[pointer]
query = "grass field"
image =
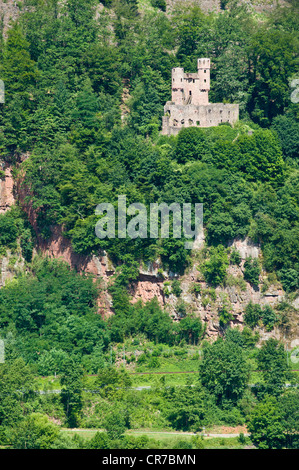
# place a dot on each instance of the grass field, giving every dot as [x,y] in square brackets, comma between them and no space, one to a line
[176,369]
[170,440]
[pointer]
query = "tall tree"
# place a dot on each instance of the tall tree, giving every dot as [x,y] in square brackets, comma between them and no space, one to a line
[71,393]
[224,371]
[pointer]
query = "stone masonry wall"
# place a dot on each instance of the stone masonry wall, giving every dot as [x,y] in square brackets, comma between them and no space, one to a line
[178,116]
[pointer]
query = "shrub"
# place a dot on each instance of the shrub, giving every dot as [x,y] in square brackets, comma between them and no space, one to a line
[196,289]
[8,230]
[225,316]
[176,288]
[181,309]
[252,271]
[289,279]
[235,257]
[269,317]
[214,270]
[161,4]
[253,313]
[154,363]
[183,445]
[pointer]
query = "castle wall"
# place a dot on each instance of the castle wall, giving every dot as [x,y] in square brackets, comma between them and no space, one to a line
[177,116]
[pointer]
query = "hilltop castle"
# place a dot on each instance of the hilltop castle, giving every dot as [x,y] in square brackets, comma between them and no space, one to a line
[189,105]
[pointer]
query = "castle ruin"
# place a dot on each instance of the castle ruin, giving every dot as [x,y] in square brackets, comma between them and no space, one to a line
[189,105]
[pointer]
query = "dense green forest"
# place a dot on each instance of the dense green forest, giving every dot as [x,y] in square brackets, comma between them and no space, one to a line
[85,86]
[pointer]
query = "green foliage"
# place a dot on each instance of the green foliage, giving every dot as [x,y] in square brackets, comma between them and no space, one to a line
[52,362]
[288,406]
[214,270]
[225,316]
[265,427]
[257,156]
[148,319]
[250,339]
[115,425]
[244,339]
[192,144]
[35,431]
[272,361]
[185,411]
[287,128]
[235,257]
[71,393]
[289,279]
[269,317]
[161,4]
[190,329]
[268,79]
[253,313]
[176,288]
[18,71]
[99,441]
[16,386]
[52,307]
[252,271]
[109,379]
[181,308]
[223,371]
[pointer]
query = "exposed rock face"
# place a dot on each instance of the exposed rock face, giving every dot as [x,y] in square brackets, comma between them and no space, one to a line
[8,264]
[153,282]
[9,11]
[246,248]
[146,290]
[6,190]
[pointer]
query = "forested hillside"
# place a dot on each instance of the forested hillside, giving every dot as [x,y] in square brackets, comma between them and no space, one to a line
[85,86]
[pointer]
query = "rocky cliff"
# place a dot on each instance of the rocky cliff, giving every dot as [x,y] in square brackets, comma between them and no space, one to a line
[195,297]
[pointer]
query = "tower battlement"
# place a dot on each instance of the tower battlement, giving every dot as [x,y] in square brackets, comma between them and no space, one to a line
[189,105]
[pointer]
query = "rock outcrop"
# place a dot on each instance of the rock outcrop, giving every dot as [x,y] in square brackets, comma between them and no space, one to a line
[6,190]
[153,282]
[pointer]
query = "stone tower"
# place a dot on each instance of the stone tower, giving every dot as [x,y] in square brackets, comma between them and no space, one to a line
[203,72]
[177,90]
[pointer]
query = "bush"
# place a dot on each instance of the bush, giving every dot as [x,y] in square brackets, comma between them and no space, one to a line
[115,425]
[235,257]
[176,288]
[183,445]
[234,335]
[181,309]
[8,231]
[252,271]
[196,289]
[289,279]
[154,363]
[225,316]
[99,441]
[214,270]
[269,317]
[161,4]
[249,338]
[253,313]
